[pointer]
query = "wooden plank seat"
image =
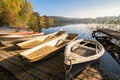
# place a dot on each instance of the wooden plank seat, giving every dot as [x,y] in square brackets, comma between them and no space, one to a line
[42,52]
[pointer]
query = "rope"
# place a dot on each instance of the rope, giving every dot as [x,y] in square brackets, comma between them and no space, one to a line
[68,71]
[70,65]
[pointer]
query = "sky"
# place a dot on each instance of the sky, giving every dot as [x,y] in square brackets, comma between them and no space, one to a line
[77,8]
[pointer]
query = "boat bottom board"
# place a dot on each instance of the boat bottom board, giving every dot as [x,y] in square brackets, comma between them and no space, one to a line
[84,52]
[32,44]
[46,50]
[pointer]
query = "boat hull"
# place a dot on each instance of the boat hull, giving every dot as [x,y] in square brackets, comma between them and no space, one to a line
[4,32]
[16,37]
[11,40]
[79,54]
[76,69]
[52,54]
[47,49]
[35,41]
[86,50]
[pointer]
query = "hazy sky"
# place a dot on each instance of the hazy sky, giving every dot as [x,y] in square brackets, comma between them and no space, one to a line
[77,8]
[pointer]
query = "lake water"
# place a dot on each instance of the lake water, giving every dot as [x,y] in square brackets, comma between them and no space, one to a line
[107,64]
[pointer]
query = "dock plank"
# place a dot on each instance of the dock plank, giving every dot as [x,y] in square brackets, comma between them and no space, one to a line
[31,68]
[111,33]
[48,69]
[16,71]
[40,70]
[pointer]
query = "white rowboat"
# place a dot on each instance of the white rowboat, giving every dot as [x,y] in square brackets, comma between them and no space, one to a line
[81,53]
[20,36]
[44,50]
[39,40]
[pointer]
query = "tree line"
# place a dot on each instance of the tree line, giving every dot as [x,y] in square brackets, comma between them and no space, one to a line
[99,20]
[19,14]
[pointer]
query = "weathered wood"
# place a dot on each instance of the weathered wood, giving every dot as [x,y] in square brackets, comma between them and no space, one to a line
[17,72]
[41,70]
[111,33]
[39,40]
[33,69]
[42,52]
[51,62]
[28,69]
[50,66]
[56,60]
[49,69]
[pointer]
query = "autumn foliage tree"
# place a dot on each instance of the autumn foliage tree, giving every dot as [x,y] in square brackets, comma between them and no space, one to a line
[7,18]
[19,14]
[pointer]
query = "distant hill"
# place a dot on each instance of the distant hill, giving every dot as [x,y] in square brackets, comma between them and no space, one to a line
[65,20]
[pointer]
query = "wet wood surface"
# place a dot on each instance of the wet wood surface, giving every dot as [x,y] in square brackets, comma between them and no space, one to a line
[49,69]
[111,33]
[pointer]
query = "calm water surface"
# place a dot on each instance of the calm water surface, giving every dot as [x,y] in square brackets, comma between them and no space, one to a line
[107,64]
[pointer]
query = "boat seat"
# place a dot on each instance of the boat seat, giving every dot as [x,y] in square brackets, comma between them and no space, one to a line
[32,44]
[64,40]
[46,50]
[36,43]
[85,47]
[61,41]
[50,37]
[84,52]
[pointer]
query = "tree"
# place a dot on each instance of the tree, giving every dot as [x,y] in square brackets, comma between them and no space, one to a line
[15,13]
[7,18]
[19,13]
[48,21]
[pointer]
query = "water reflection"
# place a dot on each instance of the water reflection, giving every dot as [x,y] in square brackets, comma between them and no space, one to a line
[106,63]
[82,29]
[109,67]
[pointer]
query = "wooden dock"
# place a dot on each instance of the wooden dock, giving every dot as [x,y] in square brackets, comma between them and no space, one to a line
[111,33]
[50,69]
[105,36]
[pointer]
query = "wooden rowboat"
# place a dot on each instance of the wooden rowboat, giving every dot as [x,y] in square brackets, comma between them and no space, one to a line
[12,39]
[13,31]
[20,36]
[81,53]
[49,48]
[39,40]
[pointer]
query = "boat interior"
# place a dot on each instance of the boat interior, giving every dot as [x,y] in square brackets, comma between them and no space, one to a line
[50,48]
[53,36]
[69,38]
[85,48]
[38,41]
